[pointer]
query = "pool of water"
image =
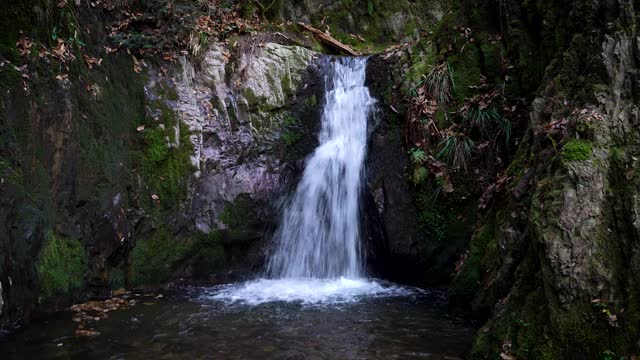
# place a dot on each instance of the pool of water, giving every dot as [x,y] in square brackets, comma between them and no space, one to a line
[369,320]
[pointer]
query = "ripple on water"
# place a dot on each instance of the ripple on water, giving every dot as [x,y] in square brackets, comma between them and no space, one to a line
[307,291]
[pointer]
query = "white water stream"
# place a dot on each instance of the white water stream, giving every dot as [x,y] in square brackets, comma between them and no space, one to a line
[317,256]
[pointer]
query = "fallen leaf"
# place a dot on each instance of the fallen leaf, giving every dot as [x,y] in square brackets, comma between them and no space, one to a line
[24,46]
[136,65]
[505,356]
[88,333]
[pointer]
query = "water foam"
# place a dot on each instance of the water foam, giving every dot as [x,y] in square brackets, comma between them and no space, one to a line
[305,291]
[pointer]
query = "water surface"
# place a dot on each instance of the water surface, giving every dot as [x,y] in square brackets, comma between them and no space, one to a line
[206,324]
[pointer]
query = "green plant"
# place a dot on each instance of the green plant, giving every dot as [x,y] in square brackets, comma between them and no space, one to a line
[577,150]
[61,266]
[483,113]
[483,118]
[456,149]
[610,355]
[370,7]
[420,174]
[153,258]
[430,220]
[440,84]
[418,155]
[157,145]
[54,33]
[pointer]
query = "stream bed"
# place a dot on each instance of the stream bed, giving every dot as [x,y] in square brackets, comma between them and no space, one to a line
[208,323]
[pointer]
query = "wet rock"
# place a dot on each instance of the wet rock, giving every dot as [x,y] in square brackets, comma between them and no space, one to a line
[236,108]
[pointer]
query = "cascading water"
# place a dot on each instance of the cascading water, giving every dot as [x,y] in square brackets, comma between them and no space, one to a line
[317,255]
[319,234]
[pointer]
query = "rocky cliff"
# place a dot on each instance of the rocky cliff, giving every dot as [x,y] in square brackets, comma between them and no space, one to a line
[503,160]
[544,194]
[123,170]
[553,259]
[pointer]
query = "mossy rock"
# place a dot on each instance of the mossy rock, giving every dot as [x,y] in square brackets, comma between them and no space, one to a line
[165,162]
[577,150]
[61,267]
[478,263]
[466,72]
[241,213]
[153,258]
[206,255]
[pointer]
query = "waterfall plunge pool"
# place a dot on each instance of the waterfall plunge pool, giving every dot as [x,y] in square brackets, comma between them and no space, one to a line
[261,319]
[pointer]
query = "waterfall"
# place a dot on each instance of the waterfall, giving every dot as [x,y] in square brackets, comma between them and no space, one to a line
[316,258]
[319,234]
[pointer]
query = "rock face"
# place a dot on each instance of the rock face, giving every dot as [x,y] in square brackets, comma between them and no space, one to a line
[64,168]
[144,178]
[407,252]
[236,110]
[378,21]
[555,262]
[252,116]
[397,254]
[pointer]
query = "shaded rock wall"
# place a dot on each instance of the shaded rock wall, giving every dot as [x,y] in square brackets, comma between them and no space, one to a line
[156,171]
[553,262]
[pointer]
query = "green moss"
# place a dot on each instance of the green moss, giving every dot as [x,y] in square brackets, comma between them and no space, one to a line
[105,127]
[9,77]
[286,85]
[153,258]
[431,220]
[252,100]
[207,254]
[292,135]
[60,266]
[577,150]
[156,258]
[157,145]
[520,162]
[410,28]
[581,68]
[547,201]
[117,278]
[240,214]
[167,92]
[478,263]
[311,101]
[492,57]
[166,163]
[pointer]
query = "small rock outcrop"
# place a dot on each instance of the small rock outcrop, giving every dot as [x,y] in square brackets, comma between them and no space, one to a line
[236,108]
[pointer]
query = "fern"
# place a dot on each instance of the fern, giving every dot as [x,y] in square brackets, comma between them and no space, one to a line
[418,155]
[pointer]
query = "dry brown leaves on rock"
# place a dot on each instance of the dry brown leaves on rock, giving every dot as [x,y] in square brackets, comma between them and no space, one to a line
[168,28]
[92,311]
[91,61]
[506,351]
[492,190]
[24,46]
